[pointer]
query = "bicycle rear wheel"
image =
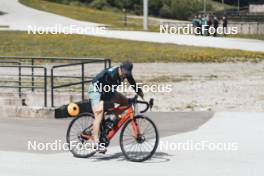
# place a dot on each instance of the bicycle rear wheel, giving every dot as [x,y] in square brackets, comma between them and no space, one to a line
[80,147]
[142,147]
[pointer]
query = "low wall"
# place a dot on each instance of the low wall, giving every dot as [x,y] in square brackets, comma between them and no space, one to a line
[249,27]
[26,112]
[11,105]
[242,27]
[256,8]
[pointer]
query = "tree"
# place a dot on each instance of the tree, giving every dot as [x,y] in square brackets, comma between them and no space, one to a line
[154,7]
[99,4]
[165,11]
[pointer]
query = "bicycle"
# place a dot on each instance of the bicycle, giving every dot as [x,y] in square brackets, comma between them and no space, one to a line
[138,138]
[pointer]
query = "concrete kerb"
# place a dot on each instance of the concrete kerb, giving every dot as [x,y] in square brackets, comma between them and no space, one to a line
[27,112]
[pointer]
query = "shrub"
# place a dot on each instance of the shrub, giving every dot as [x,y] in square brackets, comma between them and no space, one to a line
[176,9]
[165,11]
[99,4]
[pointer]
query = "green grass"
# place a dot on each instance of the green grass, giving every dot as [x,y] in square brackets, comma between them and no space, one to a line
[108,17]
[22,44]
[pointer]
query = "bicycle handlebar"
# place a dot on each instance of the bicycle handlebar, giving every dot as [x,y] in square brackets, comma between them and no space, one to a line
[133,101]
[149,104]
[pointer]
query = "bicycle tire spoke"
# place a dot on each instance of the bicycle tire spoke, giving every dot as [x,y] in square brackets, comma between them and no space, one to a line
[126,142]
[133,142]
[80,147]
[146,129]
[142,147]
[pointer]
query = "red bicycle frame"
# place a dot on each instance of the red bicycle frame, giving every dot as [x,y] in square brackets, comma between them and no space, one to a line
[129,115]
[123,119]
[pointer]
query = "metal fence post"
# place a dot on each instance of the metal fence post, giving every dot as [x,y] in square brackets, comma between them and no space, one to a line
[109,62]
[19,80]
[45,87]
[32,74]
[105,62]
[82,81]
[51,87]
[257,27]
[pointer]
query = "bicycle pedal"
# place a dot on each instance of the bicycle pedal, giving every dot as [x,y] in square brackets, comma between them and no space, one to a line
[102,151]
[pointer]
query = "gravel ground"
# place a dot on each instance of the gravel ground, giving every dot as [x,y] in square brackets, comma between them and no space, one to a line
[194,86]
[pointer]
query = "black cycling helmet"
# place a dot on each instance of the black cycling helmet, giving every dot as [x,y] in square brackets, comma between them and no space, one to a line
[127,67]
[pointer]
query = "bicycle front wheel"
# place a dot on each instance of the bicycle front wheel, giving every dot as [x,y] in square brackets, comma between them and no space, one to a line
[141,147]
[81,147]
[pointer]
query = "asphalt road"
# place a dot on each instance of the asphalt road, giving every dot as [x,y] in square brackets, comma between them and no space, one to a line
[223,144]
[16,132]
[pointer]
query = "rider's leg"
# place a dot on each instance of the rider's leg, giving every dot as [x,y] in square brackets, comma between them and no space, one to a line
[98,109]
[121,100]
[98,114]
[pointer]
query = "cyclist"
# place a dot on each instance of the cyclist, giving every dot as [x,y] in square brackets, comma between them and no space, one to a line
[111,77]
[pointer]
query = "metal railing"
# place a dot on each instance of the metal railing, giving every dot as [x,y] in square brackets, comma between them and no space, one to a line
[107,63]
[19,74]
[53,60]
[20,86]
[34,63]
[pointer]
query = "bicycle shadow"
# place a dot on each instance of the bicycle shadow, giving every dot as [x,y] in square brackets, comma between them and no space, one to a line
[2,13]
[158,157]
